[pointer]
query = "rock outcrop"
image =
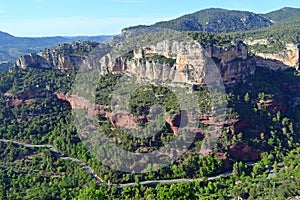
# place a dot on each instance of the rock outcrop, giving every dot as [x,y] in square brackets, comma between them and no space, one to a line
[237,70]
[243,152]
[270,64]
[63,57]
[185,62]
[287,58]
[191,63]
[27,98]
[124,119]
[238,51]
[168,61]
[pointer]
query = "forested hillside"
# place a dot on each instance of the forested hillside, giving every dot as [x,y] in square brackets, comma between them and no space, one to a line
[216,20]
[264,112]
[249,149]
[270,32]
[284,14]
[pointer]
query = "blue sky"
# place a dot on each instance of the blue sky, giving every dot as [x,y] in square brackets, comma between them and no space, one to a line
[103,17]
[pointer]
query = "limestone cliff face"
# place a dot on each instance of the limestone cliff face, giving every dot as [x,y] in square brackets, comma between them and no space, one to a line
[237,70]
[234,63]
[31,60]
[240,50]
[270,63]
[189,66]
[177,62]
[288,57]
[63,57]
[192,63]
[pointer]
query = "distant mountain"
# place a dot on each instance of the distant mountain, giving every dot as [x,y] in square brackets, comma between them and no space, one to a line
[223,21]
[284,14]
[5,37]
[12,47]
[216,20]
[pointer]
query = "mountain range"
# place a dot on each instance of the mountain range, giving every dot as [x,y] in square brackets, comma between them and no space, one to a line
[60,126]
[273,34]
[209,20]
[221,20]
[11,47]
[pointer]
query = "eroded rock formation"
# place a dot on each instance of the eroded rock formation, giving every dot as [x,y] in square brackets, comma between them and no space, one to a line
[288,57]
[168,61]
[192,63]
[63,57]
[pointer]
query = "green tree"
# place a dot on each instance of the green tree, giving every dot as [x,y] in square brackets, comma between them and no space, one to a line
[235,169]
[91,194]
[247,97]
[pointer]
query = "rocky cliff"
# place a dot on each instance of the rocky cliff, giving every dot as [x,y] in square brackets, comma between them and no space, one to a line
[184,63]
[167,61]
[287,58]
[63,57]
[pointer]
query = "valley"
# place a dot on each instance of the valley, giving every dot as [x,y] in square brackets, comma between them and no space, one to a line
[205,106]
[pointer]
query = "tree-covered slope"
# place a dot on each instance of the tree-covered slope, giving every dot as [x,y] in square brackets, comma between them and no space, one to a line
[264,111]
[283,14]
[216,20]
[266,108]
[255,157]
[275,29]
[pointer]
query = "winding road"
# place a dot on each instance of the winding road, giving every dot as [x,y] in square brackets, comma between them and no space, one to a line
[98,179]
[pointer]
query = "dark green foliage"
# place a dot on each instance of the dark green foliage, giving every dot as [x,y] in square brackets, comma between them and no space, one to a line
[35,79]
[276,36]
[215,20]
[239,25]
[268,127]
[34,173]
[48,120]
[285,184]
[146,96]
[284,14]
[105,86]
[162,59]
[212,39]
[43,119]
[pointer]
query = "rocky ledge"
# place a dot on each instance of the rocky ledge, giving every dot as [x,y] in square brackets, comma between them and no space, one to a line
[63,57]
[167,61]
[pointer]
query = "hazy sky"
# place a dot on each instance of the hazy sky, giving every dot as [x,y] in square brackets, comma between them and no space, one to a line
[102,17]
